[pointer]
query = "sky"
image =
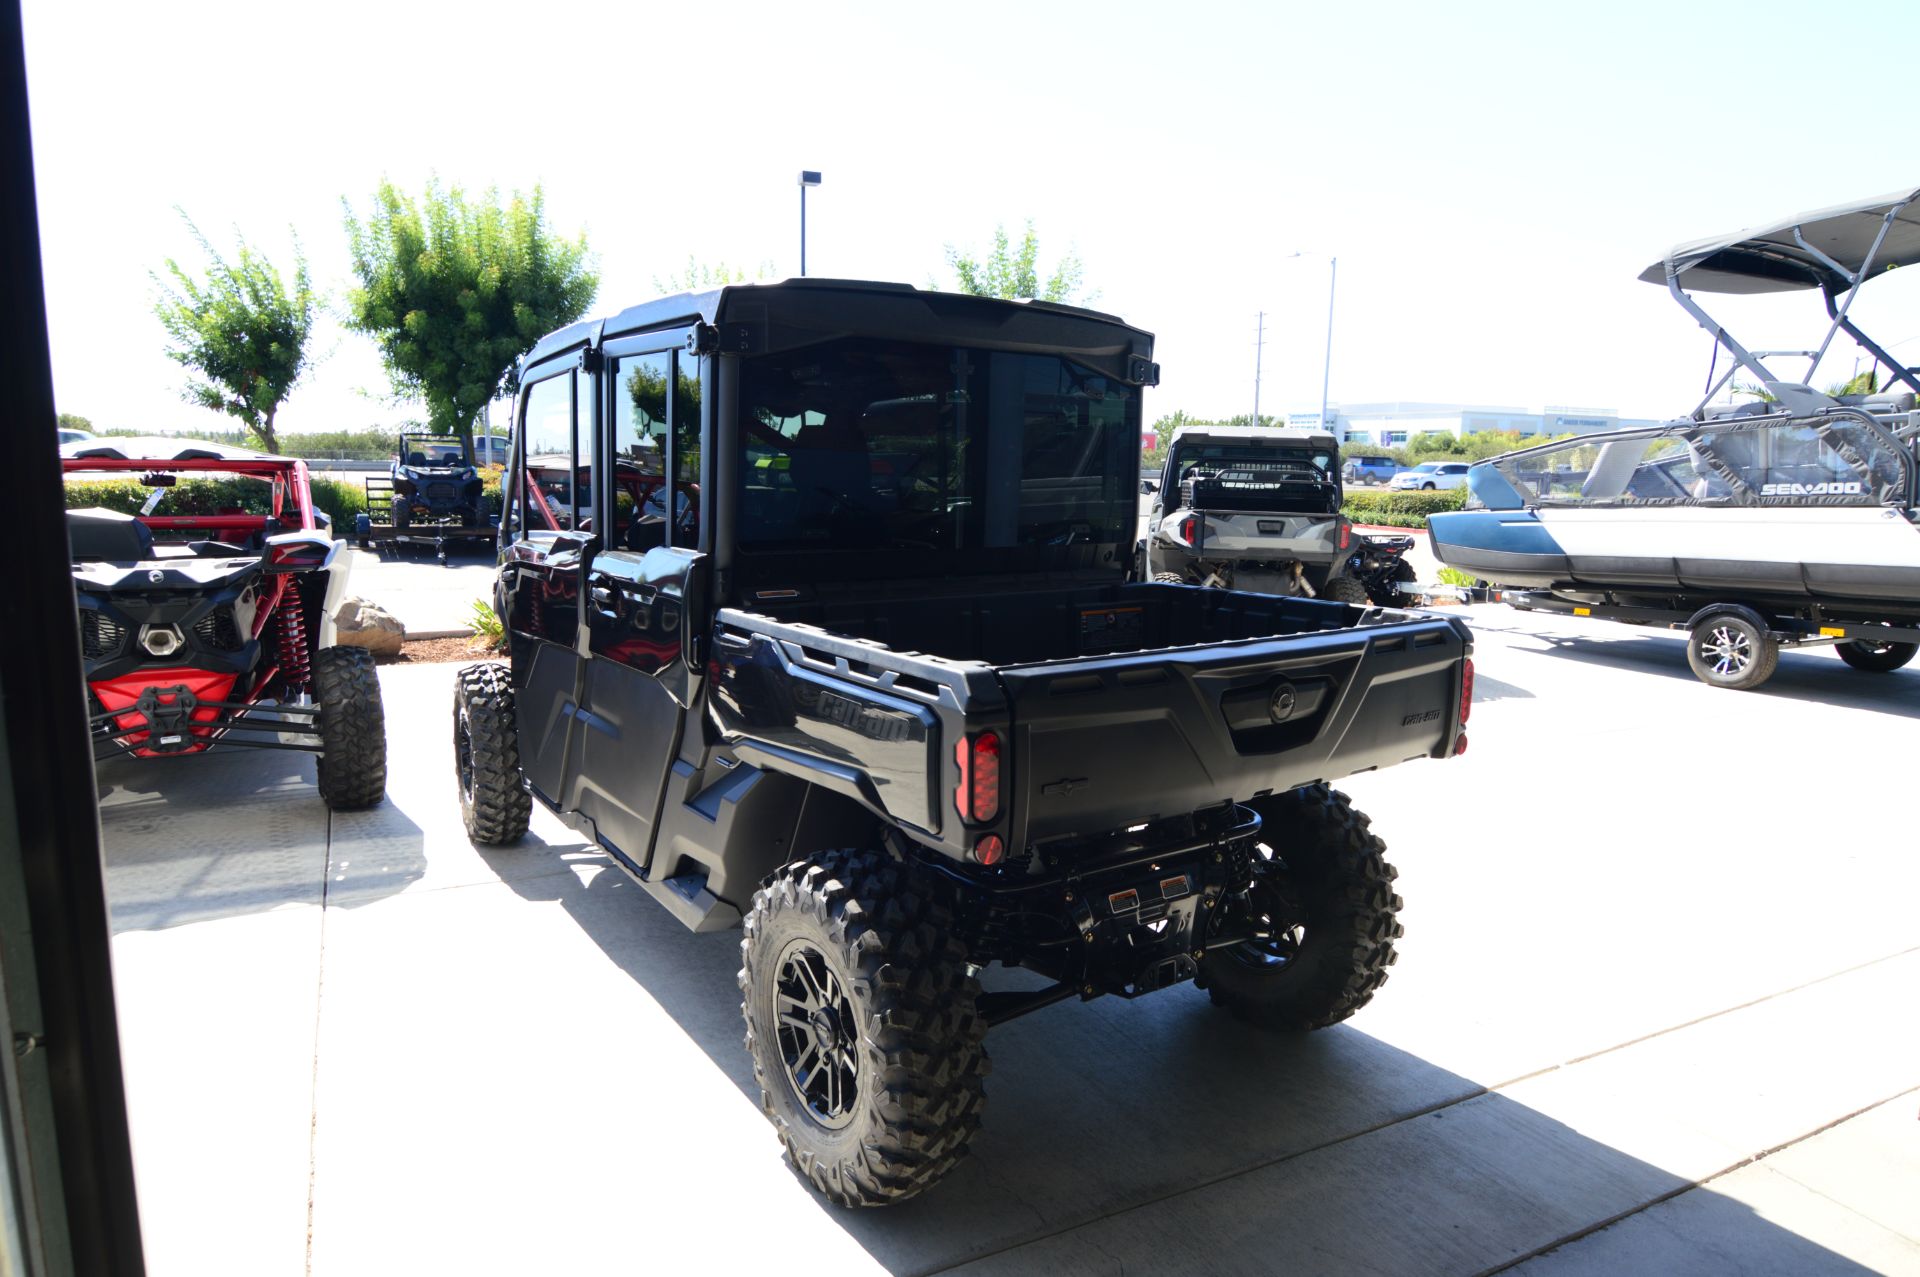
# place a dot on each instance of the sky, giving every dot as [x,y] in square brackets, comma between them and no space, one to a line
[1491,177]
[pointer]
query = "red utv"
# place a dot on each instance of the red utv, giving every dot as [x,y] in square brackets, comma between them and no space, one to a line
[206,613]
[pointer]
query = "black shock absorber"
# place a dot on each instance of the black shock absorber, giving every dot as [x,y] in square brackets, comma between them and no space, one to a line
[292,621]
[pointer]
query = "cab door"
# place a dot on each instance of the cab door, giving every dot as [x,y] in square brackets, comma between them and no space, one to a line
[642,591]
[546,538]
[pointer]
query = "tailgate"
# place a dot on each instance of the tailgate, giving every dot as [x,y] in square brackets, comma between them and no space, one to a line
[1104,742]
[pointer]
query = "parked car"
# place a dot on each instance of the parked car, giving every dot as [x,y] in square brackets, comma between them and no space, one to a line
[491,450]
[1431,475]
[891,704]
[1370,470]
[68,436]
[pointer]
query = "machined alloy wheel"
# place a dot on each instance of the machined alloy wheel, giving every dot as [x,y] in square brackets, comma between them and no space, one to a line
[1729,650]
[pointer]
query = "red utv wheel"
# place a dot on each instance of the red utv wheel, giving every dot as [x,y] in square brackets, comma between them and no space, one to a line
[353,729]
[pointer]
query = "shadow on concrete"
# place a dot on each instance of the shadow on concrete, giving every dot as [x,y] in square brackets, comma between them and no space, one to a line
[1808,675]
[223,834]
[1164,1136]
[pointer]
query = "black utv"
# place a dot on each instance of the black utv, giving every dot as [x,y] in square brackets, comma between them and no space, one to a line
[436,482]
[833,636]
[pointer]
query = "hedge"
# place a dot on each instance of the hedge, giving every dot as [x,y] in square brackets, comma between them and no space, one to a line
[341,500]
[1401,509]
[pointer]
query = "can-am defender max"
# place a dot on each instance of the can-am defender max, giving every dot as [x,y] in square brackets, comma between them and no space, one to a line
[885,692]
[206,618]
[1782,523]
[1252,508]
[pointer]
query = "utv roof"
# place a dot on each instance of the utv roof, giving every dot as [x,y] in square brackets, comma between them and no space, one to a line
[799,312]
[160,448]
[1265,434]
[1818,249]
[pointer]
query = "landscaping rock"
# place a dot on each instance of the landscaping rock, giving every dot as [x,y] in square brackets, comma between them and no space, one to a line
[359,623]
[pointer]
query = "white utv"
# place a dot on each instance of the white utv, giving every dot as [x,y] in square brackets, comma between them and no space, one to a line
[1253,508]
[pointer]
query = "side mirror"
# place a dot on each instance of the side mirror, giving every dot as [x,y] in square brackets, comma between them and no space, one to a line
[1148,487]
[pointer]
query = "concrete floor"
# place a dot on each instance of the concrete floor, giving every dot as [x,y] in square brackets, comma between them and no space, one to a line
[1653,1013]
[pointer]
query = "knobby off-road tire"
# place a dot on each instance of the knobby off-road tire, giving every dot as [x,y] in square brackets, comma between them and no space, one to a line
[1344,589]
[1727,650]
[862,1027]
[352,768]
[494,802]
[1321,971]
[1169,578]
[1876,658]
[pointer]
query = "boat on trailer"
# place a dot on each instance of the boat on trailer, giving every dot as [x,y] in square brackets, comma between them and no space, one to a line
[1779,523]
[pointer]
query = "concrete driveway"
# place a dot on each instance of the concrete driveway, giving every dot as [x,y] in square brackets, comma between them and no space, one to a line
[430,599]
[1653,1013]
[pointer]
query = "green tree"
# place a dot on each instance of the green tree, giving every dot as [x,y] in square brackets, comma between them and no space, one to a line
[1864,383]
[73,421]
[453,291]
[241,333]
[698,277]
[1013,273]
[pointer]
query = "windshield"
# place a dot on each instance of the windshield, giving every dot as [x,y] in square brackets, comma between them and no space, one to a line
[1253,476]
[882,446]
[1431,467]
[431,451]
[1802,462]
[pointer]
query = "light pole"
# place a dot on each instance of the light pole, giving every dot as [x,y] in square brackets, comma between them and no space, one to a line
[1326,366]
[807,178]
[1259,340]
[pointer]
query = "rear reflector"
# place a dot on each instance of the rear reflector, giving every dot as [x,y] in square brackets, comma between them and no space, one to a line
[977,796]
[1460,744]
[1466,692]
[989,850]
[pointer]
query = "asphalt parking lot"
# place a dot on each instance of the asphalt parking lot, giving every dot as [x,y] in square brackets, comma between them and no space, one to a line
[1654,1012]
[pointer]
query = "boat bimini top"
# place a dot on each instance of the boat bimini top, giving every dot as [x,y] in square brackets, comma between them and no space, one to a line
[1835,250]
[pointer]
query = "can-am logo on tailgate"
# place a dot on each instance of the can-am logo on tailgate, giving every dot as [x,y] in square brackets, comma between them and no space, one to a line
[1836,488]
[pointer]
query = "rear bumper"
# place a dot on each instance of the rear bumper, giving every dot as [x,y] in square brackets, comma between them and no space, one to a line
[164,719]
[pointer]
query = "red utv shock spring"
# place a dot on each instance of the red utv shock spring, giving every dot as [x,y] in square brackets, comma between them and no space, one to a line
[292,623]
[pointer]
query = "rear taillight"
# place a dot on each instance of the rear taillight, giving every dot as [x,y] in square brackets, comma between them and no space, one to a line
[298,556]
[1466,692]
[1188,527]
[977,797]
[1346,534]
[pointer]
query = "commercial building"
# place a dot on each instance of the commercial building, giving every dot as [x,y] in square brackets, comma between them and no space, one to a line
[1389,424]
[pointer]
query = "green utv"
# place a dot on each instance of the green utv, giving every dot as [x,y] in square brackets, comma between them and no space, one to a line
[829,633]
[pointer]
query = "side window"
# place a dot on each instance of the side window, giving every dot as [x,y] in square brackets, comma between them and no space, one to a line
[639,438]
[686,451]
[583,452]
[547,428]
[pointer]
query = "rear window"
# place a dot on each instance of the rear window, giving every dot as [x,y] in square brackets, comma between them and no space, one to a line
[863,445]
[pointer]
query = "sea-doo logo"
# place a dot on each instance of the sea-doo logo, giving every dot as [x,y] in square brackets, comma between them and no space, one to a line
[1835,488]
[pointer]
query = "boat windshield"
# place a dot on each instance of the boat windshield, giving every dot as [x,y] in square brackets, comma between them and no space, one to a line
[1771,461]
